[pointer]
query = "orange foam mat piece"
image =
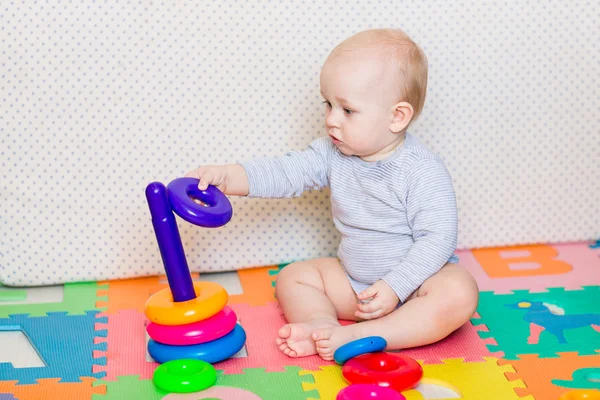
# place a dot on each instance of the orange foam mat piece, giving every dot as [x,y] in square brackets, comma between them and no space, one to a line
[51,388]
[257,286]
[538,373]
[130,294]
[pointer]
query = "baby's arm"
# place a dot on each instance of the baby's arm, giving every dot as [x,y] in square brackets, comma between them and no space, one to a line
[286,176]
[291,174]
[433,217]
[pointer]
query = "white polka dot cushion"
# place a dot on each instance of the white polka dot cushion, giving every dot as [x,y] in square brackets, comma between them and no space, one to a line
[98,99]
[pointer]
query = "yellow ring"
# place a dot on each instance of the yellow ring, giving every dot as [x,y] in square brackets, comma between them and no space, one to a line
[210,299]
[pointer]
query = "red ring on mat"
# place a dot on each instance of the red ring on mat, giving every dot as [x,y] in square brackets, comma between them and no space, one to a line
[385,369]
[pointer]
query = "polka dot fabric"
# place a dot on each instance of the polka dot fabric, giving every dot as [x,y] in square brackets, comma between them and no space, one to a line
[98,99]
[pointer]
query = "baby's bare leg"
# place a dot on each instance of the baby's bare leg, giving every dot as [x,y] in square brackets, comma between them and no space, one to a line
[440,306]
[313,295]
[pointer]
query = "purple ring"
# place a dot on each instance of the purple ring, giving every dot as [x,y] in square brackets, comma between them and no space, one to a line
[181,192]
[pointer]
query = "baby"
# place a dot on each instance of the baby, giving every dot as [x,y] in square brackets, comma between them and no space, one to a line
[392,201]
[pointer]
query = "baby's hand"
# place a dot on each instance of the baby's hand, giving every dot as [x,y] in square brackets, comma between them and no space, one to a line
[384,301]
[215,175]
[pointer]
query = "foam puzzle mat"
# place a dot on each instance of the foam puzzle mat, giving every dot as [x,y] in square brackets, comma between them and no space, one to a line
[535,335]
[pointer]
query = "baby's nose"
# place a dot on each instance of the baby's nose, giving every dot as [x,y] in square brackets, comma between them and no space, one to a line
[331,121]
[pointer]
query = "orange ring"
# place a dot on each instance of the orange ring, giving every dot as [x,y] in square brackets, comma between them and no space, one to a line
[210,299]
[590,394]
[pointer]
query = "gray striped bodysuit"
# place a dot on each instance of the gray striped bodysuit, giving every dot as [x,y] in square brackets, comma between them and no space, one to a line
[397,217]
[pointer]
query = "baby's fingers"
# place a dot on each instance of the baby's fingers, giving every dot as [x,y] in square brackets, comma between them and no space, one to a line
[207,177]
[369,315]
[367,293]
[369,307]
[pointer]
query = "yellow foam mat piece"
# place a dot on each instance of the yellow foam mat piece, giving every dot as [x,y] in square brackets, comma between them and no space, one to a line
[328,381]
[472,380]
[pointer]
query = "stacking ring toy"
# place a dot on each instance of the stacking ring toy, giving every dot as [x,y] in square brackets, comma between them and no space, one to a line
[210,299]
[186,302]
[207,330]
[185,376]
[583,394]
[369,344]
[181,194]
[178,197]
[211,352]
[364,392]
[391,370]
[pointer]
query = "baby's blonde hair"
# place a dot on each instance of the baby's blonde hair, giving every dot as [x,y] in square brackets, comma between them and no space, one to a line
[396,46]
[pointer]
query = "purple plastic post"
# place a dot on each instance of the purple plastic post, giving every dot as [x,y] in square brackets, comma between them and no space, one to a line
[169,243]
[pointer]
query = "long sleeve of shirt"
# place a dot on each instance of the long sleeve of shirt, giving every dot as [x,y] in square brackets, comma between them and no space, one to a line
[432,215]
[291,174]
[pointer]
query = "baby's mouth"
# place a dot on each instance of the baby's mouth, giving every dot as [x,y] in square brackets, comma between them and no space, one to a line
[335,140]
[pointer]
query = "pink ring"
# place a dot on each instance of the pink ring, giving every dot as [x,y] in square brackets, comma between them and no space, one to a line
[365,391]
[203,331]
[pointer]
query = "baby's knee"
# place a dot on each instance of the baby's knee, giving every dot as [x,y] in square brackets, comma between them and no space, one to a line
[290,271]
[302,272]
[460,297]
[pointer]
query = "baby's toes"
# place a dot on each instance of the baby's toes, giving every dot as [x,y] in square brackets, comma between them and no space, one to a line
[325,350]
[292,353]
[322,334]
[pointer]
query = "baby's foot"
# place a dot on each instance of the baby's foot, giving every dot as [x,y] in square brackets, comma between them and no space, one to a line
[328,340]
[295,339]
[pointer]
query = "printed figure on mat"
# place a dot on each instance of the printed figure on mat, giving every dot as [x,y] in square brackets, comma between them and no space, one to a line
[544,316]
[392,200]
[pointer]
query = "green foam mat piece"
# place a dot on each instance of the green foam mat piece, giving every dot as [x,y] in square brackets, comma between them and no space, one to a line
[510,317]
[129,387]
[12,294]
[285,385]
[77,299]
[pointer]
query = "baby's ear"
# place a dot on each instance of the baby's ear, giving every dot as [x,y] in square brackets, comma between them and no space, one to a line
[402,114]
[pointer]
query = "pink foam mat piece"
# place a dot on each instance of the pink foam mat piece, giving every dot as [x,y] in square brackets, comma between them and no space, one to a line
[126,346]
[261,325]
[464,343]
[580,256]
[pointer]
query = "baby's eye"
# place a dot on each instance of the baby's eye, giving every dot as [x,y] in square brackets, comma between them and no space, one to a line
[348,111]
[326,102]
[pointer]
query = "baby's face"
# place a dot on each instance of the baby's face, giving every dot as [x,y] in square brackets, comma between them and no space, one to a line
[360,93]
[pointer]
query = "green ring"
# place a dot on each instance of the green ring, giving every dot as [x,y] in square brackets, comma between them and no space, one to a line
[185,376]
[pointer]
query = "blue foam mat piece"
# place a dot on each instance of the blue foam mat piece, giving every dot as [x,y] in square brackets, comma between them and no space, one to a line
[65,343]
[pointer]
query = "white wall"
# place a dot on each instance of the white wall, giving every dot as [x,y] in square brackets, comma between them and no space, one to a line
[100,98]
